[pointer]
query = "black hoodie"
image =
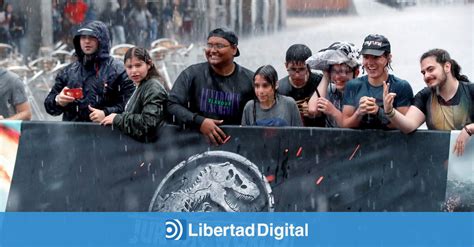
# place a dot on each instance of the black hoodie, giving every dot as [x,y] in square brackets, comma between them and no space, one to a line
[102,78]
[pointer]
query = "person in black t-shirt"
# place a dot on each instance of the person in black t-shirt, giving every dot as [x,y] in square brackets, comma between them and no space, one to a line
[445,104]
[212,93]
[301,83]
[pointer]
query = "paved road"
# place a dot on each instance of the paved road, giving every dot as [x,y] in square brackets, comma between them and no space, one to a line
[411,32]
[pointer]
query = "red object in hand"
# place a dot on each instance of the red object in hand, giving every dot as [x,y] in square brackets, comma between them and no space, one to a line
[76,93]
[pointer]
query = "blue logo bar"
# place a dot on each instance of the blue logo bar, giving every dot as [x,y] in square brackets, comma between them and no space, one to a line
[236,229]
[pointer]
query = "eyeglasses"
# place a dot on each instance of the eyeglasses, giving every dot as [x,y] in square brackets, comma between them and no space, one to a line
[293,71]
[216,46]
[342,72]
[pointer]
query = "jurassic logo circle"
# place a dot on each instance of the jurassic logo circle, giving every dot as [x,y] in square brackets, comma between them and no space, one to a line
[211,182]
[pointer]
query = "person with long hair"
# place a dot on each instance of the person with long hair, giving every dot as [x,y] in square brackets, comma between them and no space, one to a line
[445,104]
[145,111]
[270,108]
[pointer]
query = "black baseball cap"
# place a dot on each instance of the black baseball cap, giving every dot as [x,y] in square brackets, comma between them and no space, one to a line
[375,44]
[226,34]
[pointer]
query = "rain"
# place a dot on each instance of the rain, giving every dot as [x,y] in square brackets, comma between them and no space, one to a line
[411,30]
[412,27]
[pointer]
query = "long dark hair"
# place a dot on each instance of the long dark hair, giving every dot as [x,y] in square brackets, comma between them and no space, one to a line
[442,57]
[143,55]
[271,76]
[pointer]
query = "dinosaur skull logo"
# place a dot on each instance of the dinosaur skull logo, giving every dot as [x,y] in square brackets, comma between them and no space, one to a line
[213,181]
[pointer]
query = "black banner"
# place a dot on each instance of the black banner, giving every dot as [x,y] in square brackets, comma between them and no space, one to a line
[87,167]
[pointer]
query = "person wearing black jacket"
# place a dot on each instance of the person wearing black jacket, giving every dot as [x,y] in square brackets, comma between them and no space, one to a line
[145,111]
[215,92]
[102,78]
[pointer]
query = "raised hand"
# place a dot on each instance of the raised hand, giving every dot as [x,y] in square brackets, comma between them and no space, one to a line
[388,98]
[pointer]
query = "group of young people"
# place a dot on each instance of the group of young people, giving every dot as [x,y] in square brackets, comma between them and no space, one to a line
[221,92]
[380,100]
[215,92]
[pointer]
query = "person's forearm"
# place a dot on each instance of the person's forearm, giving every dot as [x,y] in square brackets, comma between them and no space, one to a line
[399,121]
[323,85]
[183,114]
[351,122]
[25,115]
[338,117]
[313,106]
